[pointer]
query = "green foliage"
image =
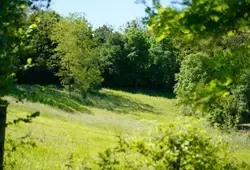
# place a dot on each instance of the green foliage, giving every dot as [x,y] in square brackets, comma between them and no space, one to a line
[168,147]
[215,80]
[131,58]
[212,78]
[102,33]
[39,46]
[215,85]
[135,59]
[127,58]
[165,63]
[13,32]
[200,18]
[75,54]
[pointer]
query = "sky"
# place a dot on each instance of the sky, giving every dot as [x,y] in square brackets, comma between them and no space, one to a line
[100,12]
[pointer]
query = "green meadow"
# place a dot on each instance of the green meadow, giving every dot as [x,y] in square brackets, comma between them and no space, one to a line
[71,132]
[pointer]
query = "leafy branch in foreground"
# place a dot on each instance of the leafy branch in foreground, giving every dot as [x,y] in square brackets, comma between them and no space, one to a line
[12,31]
[215,55]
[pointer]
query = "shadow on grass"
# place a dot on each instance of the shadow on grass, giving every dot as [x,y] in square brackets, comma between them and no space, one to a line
[117,103]
[149,92]
[49,96]
[76,103]
[244,124]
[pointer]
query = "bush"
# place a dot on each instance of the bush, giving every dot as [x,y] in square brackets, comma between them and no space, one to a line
[215,86]
[172,147]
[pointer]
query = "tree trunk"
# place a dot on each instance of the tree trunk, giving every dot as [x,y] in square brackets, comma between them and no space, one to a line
[3,111]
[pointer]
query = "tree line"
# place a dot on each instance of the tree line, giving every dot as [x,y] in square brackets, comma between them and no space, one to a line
[203,60]
[68,51]
[200,51]
[207,69]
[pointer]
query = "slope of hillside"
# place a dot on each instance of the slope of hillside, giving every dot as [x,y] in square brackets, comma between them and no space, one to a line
[70,132]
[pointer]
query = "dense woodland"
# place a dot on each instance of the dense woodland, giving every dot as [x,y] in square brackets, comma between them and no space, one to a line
[199,52]
[128,58]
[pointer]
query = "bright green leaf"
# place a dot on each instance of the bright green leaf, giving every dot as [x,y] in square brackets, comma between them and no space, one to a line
[29,60]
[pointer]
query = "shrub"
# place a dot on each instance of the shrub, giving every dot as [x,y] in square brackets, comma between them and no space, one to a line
[215,86]
[171,147]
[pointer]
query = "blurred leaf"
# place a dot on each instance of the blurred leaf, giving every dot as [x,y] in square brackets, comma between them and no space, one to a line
[29,61]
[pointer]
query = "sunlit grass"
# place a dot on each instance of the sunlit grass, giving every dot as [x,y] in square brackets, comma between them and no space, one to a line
[71,138]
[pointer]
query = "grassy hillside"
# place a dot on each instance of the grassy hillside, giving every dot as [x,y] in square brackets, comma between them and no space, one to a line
[70,132]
